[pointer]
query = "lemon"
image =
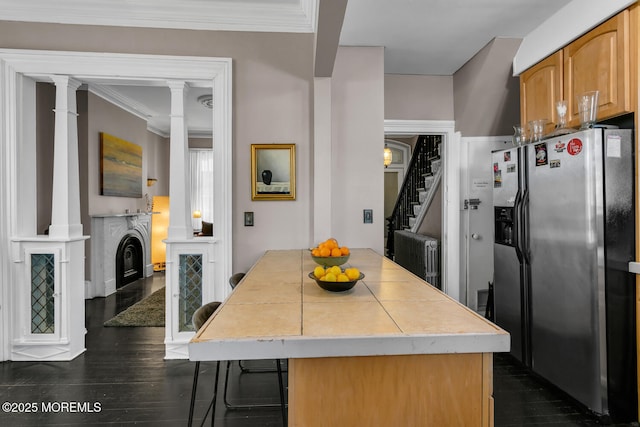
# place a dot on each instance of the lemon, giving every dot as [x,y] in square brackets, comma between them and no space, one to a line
[352,273]
[318,272]
[343,278]
[329,277]
[335,270]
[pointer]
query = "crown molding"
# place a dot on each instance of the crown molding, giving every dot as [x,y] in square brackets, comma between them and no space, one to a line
[141,111]
[200,133]
[399,127]
[292,16]
[158,131]
[123,102]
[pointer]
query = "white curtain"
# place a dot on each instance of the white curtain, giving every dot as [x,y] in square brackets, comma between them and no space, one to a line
[202,182]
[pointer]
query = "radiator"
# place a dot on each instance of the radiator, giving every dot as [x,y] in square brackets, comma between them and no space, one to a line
[419,254]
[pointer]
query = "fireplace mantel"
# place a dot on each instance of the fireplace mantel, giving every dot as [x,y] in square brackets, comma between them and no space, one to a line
[107,230]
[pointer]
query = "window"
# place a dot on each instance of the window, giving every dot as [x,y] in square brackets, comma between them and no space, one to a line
[202,184]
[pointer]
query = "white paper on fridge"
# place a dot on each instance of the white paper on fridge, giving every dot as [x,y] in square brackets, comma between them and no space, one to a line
[613,146]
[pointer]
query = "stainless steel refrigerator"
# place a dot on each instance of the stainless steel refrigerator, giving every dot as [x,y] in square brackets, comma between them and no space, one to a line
[564,237]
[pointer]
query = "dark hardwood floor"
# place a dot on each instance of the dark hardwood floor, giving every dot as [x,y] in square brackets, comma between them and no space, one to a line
[521,399]
[122,379]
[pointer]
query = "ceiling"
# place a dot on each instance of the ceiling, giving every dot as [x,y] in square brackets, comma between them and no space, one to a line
[428,37]
[437,37]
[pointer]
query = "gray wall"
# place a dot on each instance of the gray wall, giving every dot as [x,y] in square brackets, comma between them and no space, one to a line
[482,97]
[95,115]
[272,95]
[486,95]
[408,97]
[106,117]
[357,140]
[45,103]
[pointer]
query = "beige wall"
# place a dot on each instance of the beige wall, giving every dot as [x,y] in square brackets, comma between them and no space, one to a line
[108,118]
[408,97]
[45,103]
[272,86]
[102,116]
[486,95]
[95,115]
[357,146]
[482,97]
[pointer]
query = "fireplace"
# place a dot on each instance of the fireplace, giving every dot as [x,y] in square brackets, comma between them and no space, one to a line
[120,251]
[129,263]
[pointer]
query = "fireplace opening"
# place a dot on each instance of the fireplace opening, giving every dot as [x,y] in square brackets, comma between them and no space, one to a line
[129,261]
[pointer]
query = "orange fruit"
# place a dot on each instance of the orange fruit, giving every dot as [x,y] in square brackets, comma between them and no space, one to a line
[315,252]
[331,243]
[336,252]
[344,250]
[324,251]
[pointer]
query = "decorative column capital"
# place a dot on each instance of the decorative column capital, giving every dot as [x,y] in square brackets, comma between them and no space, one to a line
[175,85]
[66,81]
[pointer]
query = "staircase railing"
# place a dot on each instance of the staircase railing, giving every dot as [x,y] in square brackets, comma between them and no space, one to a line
[426,149]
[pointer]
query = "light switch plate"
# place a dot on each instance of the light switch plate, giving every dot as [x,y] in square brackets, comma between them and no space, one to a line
[248,219]
[368,216]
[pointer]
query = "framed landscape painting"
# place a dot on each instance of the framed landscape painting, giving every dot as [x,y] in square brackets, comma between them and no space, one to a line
[120,167]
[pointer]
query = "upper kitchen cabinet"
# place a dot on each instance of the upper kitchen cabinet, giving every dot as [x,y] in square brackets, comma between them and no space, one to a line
[599,60]
[540,88]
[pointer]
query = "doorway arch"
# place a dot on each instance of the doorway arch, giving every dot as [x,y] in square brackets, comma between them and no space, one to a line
[19,70]
[450,192]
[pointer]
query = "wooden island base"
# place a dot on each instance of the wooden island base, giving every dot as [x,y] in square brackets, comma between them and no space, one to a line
[391,351]
[406,390]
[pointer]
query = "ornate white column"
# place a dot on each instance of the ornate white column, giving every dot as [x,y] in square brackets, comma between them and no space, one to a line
[180,226]
[65,206]
[48,302]
[190,260]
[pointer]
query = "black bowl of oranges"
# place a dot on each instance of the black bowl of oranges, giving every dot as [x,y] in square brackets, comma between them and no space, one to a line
[336,279]
[330,253]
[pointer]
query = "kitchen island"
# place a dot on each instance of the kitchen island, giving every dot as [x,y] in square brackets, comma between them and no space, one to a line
[391,351]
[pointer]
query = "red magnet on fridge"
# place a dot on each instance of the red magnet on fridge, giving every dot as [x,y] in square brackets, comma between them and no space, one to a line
[574,146]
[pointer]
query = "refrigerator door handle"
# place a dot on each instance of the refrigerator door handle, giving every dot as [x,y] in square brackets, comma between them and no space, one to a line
[525,228]
[517,204]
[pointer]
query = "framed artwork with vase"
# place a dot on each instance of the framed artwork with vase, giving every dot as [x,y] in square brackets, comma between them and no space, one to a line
[273,171]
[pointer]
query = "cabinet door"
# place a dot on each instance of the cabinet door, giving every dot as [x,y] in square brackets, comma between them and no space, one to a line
[540,89]
[599,60]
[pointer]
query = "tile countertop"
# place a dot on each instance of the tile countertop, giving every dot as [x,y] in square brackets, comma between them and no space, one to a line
[277,311]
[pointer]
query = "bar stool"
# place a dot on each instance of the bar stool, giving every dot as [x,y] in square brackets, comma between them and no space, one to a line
[200,316]
[234,280]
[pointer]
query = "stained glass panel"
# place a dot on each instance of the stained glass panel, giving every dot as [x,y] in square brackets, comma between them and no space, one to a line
[190,284]
[42,299]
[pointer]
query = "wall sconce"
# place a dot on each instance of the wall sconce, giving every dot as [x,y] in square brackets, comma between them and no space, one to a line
[388,156]
[151,181]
